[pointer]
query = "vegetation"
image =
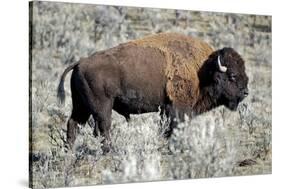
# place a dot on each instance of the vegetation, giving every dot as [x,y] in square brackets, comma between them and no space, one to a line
[217,143]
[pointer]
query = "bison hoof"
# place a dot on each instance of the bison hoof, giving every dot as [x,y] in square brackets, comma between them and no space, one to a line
[106,148]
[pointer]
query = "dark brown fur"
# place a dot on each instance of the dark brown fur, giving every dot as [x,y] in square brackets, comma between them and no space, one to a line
[169,71]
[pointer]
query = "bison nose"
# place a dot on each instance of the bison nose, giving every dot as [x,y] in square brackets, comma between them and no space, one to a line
[246,92]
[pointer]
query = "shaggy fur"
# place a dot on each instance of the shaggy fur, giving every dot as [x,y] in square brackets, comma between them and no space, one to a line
[184,57]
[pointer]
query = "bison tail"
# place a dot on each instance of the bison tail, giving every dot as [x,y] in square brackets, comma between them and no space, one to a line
[60,91]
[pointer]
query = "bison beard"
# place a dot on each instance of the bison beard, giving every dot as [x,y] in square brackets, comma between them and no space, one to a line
[179,74]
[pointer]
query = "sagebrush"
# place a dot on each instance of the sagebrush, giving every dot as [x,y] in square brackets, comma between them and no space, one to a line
[217,143]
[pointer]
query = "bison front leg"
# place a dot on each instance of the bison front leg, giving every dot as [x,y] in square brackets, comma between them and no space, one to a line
[104,127]
[176,115]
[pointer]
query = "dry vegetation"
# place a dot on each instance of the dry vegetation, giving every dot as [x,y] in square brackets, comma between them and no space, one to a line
[218,143]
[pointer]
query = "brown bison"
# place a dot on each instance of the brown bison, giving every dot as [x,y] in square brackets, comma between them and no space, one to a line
[177,73]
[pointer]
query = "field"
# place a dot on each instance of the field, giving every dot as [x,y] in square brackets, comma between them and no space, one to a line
[217,143]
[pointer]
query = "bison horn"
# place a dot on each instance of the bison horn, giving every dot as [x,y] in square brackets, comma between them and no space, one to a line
[222,68]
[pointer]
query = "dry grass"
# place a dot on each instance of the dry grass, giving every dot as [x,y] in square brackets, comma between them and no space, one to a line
[211,145]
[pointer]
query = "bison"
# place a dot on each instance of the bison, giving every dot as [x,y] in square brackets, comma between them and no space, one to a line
[178,73]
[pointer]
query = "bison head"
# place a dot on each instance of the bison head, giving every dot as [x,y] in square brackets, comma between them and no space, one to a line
[225,77]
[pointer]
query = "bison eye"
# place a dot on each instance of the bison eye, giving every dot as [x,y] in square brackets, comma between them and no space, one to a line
[232,77]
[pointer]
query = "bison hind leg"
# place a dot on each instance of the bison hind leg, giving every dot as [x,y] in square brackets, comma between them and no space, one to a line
[101,110]
[72,129]
[79,115]
[72,126]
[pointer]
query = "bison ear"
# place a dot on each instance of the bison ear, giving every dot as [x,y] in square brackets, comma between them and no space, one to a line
[220,66]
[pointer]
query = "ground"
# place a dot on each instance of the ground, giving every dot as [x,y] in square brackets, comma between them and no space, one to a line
[217,143]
